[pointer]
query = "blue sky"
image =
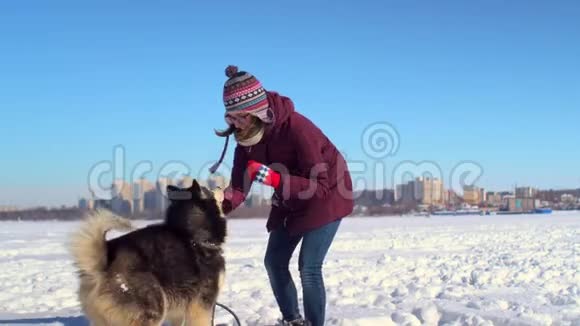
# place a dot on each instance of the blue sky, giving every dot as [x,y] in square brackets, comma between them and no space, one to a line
[494,82]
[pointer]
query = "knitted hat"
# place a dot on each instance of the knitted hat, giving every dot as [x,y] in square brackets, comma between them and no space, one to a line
[244,93]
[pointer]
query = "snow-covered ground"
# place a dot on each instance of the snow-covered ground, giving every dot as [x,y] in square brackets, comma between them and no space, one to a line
[470,270]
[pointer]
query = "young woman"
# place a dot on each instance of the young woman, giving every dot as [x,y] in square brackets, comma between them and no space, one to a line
[279,147]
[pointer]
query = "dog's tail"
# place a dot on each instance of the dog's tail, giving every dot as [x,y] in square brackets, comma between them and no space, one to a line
[88,245]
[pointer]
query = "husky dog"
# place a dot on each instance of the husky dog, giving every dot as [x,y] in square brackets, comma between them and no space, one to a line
[172,271]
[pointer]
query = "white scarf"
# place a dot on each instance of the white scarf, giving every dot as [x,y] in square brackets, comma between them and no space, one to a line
[252,140]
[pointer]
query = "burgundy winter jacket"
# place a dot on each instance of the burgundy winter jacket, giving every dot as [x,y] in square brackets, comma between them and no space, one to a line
[316,186]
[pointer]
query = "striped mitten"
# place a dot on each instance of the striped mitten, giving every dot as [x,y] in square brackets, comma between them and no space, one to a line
[263,174]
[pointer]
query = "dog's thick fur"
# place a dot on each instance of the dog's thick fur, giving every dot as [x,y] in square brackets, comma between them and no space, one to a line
[171,271]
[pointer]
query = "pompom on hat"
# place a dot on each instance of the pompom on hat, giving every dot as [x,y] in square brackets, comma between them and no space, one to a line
[243,93]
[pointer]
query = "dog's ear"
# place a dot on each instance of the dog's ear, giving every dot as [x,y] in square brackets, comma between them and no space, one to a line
[174,193]
[195,189]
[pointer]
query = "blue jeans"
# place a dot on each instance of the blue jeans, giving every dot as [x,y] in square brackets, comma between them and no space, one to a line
[315,245]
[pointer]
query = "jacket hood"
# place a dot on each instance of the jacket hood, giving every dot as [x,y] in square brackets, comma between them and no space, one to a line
[281,106]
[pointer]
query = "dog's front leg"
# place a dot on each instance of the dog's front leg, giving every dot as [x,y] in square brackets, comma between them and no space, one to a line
[199,314]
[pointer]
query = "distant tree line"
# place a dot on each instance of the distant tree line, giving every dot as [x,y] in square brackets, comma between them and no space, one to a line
[555,195]
[368,203]
[43,214]
[375,204]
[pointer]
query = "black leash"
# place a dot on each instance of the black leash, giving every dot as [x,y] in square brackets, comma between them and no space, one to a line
[212,170]
[226,308]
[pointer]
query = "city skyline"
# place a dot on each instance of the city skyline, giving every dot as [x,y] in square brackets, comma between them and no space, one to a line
[421,190]
[494,83]
[264,192]
[146,198]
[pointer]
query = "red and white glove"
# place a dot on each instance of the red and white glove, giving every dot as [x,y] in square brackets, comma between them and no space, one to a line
[263,174]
